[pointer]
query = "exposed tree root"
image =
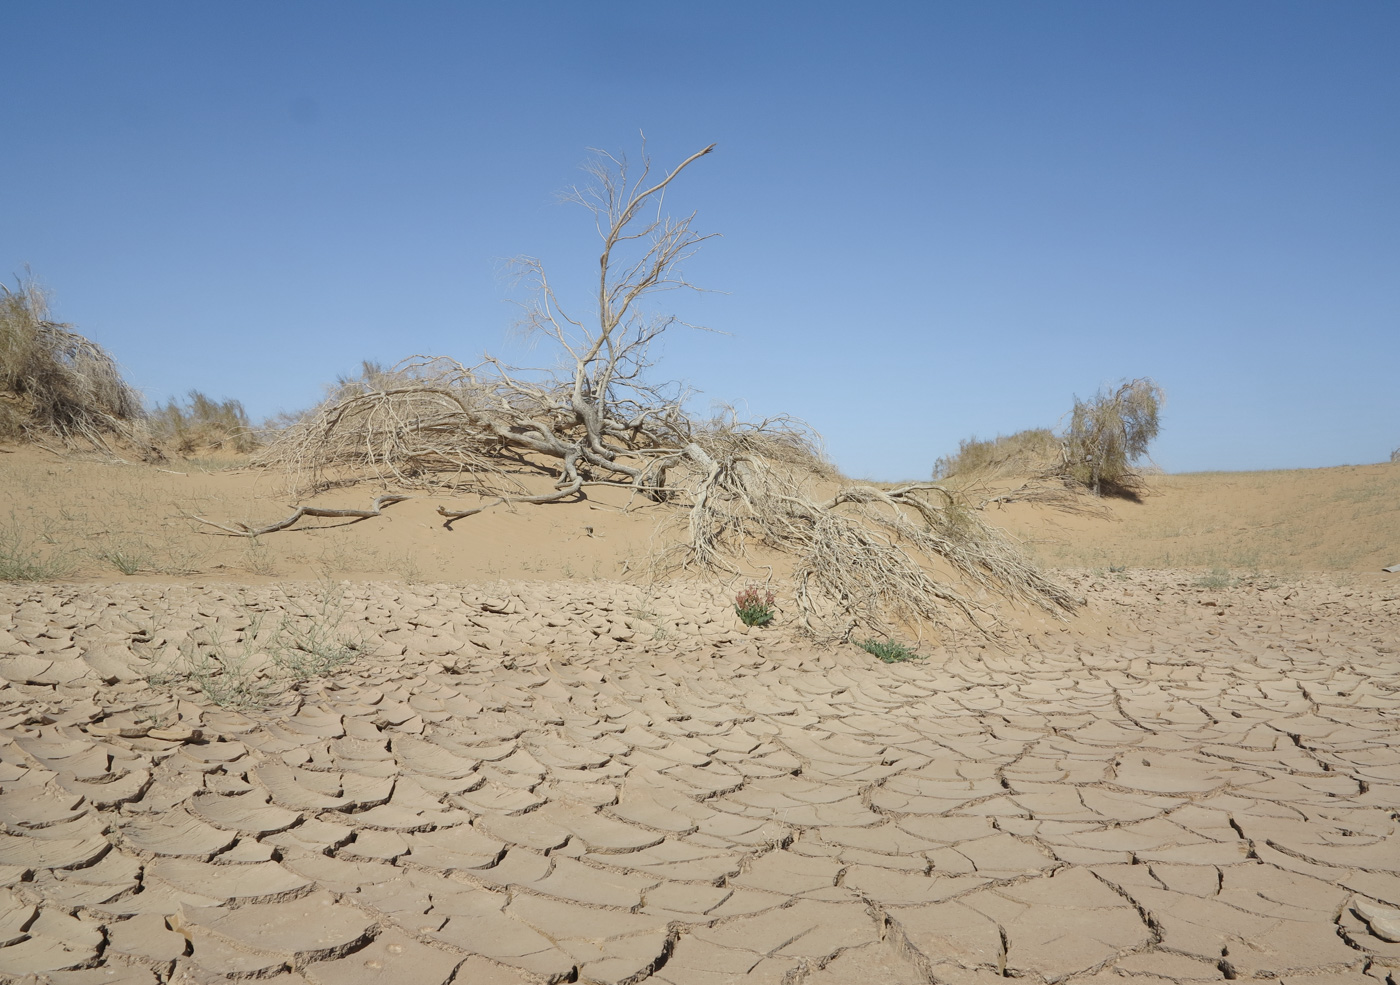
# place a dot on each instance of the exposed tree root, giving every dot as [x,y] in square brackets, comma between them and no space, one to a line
[864,557]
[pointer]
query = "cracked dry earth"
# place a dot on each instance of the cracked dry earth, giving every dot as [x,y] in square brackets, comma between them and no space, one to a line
[528,788]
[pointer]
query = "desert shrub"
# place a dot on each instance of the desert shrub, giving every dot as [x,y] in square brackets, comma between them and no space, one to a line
[423,423]
[1021,453]
[201,423]
[1109,432]
[55,381]
[1395,455]
[889,651]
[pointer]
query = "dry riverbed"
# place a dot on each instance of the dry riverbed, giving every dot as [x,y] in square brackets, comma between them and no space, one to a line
[534,783]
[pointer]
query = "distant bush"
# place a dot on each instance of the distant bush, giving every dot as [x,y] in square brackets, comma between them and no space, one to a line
[1023,452]
[53,380]
[1395,455]
[202,424]
[1110,432]
[1106,435]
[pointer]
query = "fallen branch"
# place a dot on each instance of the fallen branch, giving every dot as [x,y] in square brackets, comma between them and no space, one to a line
[452,516]
[243,530]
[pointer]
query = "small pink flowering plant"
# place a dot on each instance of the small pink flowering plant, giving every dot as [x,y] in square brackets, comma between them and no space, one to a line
[755,606]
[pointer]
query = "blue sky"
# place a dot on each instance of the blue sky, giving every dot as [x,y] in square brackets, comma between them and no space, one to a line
[937,219]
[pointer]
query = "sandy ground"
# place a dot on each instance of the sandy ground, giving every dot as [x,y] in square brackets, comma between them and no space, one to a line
[575,778]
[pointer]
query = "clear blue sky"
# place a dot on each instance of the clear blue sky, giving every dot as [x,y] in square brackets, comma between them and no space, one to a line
[939,219]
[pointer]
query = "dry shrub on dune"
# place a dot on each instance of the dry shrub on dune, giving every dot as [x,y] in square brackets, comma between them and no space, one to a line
[55,382]
[1109,432]
[862,557]
[1097,451]
[1023,453]
[201,423]
[424,423]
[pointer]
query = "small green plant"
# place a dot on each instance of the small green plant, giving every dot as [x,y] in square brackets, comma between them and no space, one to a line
[313,642]
[890,651]
[226,676]
[755,606]
[1218,578]
[125,558]
[258,559]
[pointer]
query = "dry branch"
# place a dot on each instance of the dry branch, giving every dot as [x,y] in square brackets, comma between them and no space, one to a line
[243,530]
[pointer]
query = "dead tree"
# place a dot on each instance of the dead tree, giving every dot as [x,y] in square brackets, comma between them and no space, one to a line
[605,413]
[599,420]
[865,556]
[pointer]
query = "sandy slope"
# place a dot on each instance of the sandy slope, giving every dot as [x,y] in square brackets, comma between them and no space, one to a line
[86,516]
[1335,519]
[532,780]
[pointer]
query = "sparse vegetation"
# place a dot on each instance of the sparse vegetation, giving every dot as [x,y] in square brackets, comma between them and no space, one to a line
[202,424]
[1218,578]
[889,651]
[55,382]
[257,670]
[754,606]
[22,560]
[126,558]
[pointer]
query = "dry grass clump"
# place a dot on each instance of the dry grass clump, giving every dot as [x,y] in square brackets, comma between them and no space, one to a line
[201,424]
[55,382]
[1023,453]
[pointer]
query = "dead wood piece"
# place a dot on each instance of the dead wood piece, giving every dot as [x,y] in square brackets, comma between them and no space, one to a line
[452,516]
[243,530]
